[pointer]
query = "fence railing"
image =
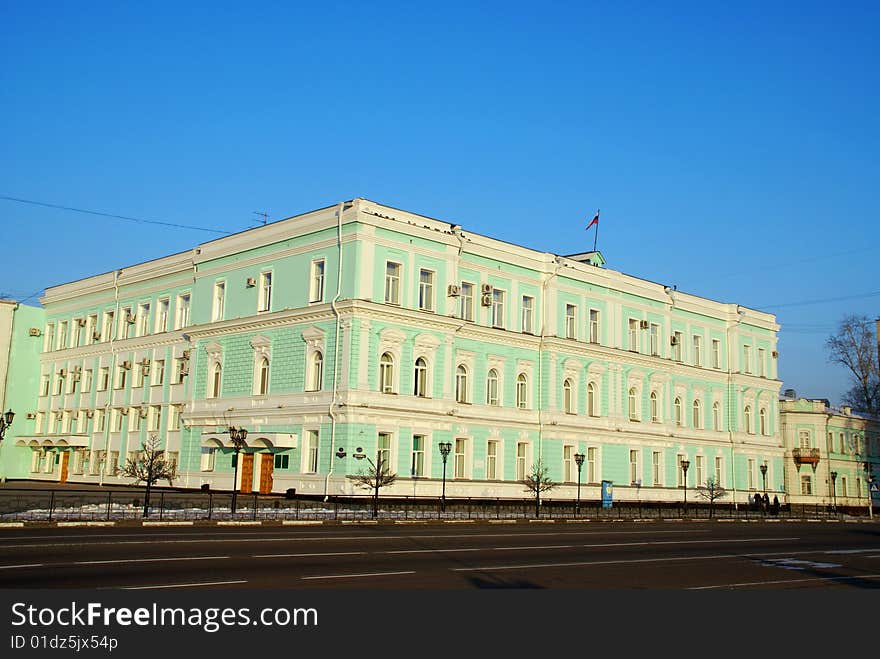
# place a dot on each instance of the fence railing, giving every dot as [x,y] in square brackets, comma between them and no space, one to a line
[170,505]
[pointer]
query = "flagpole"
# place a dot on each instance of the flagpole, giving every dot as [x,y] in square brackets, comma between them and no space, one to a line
[596,236]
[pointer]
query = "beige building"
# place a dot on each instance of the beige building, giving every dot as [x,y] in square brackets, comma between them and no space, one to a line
[832,455]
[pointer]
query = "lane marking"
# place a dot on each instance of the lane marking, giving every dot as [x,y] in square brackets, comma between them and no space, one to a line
[431,551]
[779,581]
[797,564]
[14,567]
[366,574]
[849,551]
[152,560]
[332,553]
[182,585]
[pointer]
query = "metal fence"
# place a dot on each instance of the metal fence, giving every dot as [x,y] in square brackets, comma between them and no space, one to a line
[172,505]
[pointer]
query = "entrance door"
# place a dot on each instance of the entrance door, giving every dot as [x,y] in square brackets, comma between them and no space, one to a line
[247,473]
[65,456]
[267,465]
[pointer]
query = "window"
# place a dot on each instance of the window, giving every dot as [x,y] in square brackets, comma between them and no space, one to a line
[762,420]
[699,469]
[107,326]
[492,459]
[633,335]
[417,466]
[806,485]
[316,382]
[461,384]
[497,308]
[676,346]
[591,400]
[697,413]
[386,373]
[265,296]
[208,456]
[843,489]
[466,312]
[49,343]
[173,417]
[591,465]
[655,339]
[655,468]
[311,452]
[804,439]
[681,475]
[570,321]
[121,375]
[182,317]
[126,322]
[761,361]
[62,335]
[426,290]
[698,350]
[747,418]
[716,353]
[633,404]
[87,378]
[392,283]
[100,421]
[76,339]
[155,421]
[460,464]
[316,290]
[44,384]
[103,378]
[567,471]
[655,408]
[139,376]
[219,301]
[72,382]
[216,381]
[719,470]
[751,473]
[747,359]
[716,416]
[91,329]
[282,461]
[383,451]
[118,419]
[263,377]
[420,378]
[567,397]
[594,326]
[162,315]
[143,319]
[521,453]
[158,372]
[528,314]
[492,387]
[59,384]
[634,470]
[679,417]
[180,370]
[521,391]
[134,419]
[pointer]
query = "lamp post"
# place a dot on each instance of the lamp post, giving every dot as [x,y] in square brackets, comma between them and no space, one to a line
[684,467]
[445,448]
[579,461]
[764,476]
[5,422]
[869,477]
[239,441]
[834,491]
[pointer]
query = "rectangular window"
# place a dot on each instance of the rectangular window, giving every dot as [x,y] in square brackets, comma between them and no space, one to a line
[78,324]
[158,372]
[677,339]
[91,329]
[491,460]
[59,383]
[118,419]
[44,384]
[100,421]
[460,463]
[316,289]
[633,335]
[761,360]
[497,308]
[747,359]
[392,282]
[570,321]
[126,322]
[72,382]
[806,485]
[678,460]
[567,471]
[417,465]
[155,421]
[135,419]
[121,375]
[180,366]
[139,376]
[218,309]
[311,452]
[426,290]
[594,326]
[383,450]
[719,471]
[181,318]
[699,470]
[634,470]
[592,471]
[49,343]
[655,339]
[282,461]
[750,471]
[804,440]
[716,353]
[62,335]
[162,315]
[40,423]
[655,468]
[87,378]
[265,301]
[528,314]
[143,319]
[698,350]
[208,457]
[173,417]
[466,312]
[521,458]
[103,378]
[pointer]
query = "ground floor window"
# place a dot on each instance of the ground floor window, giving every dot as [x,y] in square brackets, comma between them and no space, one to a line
[806,485]
[282,461]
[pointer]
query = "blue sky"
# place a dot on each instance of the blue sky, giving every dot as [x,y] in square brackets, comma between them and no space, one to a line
[731,148]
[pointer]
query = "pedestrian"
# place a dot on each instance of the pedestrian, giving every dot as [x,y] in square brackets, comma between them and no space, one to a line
[775,505]
[766,503]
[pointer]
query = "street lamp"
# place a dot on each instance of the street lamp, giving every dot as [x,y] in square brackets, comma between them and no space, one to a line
[764,476]
[579,461]
[239,441]
[684,467]
[5,422]
[869,476]
[834,491]
[445,448]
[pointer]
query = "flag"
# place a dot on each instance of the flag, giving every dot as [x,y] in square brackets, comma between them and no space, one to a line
[595,221]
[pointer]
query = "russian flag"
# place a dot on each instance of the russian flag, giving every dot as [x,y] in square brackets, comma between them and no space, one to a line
[595,221]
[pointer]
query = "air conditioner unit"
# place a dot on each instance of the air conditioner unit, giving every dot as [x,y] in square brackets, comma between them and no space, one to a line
[774,354]
[34,331]
[486,300]
[130,318]
[126,364]
[96,336]
[486,288]
[453,290]
[145,362]
[673,340]
[31,416]
[123,411]
[251,281]
[186,354]
[643,324]
[62,373]
[77,371]
[143,412]
[90,413]
[81,322]
[184,369]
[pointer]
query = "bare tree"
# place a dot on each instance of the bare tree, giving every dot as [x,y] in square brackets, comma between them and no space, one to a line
[376,477]
[538,481]
[855,347]
[711,491]
[149,466]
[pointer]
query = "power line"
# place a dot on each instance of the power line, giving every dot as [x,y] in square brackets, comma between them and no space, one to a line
[118,217]
[821,301]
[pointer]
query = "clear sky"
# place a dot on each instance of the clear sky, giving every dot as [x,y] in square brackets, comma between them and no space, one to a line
[732,147]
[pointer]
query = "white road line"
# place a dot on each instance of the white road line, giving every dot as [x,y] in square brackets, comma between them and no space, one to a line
[182,585]
[14,567]
[152,560]
[430,551]
[537,547]
[850,551]
[332,553]
[682,542]
[349,576]
[779,581]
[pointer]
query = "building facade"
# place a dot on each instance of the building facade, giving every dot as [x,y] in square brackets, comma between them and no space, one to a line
[364,330]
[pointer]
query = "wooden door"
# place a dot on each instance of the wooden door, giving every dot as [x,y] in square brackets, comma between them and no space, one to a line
[247,473]
[65,456]
[267,466]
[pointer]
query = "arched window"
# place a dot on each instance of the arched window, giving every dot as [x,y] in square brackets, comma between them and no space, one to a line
[762,420]
[492,387]
[264,377]
[567,397]
[521,391]
[655,408]
[698,414]
[215,381]
[316,381]
[747,415]
[420,378]
[679,419]
[461,384]
[386,373]
[633,405]
[716,416]
[591,399]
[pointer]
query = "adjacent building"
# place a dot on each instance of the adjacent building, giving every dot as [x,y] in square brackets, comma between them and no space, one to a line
[365,330]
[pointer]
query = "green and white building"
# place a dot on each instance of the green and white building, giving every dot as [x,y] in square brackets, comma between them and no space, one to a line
[379,331]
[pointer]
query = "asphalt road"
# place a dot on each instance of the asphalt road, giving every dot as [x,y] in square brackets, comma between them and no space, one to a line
[585,556]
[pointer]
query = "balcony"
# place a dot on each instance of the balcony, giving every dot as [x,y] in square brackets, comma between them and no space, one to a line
[808,456]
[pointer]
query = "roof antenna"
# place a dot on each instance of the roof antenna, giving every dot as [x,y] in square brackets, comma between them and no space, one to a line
[264,216]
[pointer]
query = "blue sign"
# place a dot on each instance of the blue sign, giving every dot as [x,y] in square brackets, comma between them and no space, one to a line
[607,489]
